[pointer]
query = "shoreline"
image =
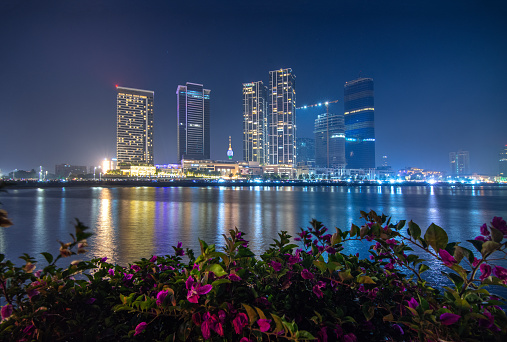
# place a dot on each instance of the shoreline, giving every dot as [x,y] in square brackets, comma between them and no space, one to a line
[29,184]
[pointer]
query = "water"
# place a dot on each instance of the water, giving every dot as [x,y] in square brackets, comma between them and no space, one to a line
[131,223]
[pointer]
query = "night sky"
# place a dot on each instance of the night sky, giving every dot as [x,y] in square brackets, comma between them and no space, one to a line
[439,67]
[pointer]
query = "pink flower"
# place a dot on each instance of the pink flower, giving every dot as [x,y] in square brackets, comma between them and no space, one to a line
[234,277]
[38,273]
[484,230]
[276,266]
[244,339]
[476,262]
[111,272]
[195,290]
[264,324]
[6,311]
[196,318]
[485,271]
[240,322]
[103,259]
[412,303]
[449,318]
[305,274]
[135,268]
[140,328]
[161,296]
[350,338]
[29,329]
[153,258]
[318,291]
[501,273]
[205,329]
[447,258]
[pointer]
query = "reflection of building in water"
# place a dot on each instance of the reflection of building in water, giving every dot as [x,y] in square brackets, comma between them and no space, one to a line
[105,231]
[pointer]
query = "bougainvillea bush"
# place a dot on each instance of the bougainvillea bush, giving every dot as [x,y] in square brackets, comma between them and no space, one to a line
[307,289]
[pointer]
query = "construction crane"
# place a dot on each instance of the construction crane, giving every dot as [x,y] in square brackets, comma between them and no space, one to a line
[327,121]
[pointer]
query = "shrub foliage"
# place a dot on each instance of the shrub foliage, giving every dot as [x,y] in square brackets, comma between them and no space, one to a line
[309,289]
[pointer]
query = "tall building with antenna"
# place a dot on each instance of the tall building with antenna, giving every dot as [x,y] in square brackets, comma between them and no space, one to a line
[134,126]
[282,117]
[255,122]
[359,124]
[193,115]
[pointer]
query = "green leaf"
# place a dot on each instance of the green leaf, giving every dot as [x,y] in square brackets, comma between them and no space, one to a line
[278,322]
[304,335]
[354,230]
[368,311]
[252,314]
[423,267]
[219,282]
[362,279]
[414,230]
[345,275]
[217,270]
[436,237]
[260,313]
[489,247]
[401,224]
[244,252]
[48,257]
[496,235]
[477,244]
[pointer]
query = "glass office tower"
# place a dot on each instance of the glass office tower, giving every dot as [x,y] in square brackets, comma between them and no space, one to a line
[134,128]
[359,124]
[193,112]
[330,141]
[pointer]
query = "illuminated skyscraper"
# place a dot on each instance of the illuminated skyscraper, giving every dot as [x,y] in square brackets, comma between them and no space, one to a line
[330,141]
[282,117]
[193,132]
[254,122]
[459,163]
[134,128]
[359,124]
[502,163]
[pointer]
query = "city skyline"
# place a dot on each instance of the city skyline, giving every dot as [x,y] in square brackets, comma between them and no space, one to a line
[438,71]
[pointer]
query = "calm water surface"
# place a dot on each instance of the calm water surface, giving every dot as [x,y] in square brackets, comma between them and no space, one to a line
[131,223]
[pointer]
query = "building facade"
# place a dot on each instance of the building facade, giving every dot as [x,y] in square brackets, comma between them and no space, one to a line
[502,163]
[282,117]
[305,151]
[359,124]
[459,163]
[65,170]
[134,129]
[193,113]
[330,141]
[255,122]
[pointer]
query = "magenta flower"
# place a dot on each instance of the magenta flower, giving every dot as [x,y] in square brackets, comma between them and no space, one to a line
[38,273]
[140,328]
[178,250]
[245,339]
[485,271]
[161,297]
[293,260]
[91,300]
[350,338]
[153,258]
[318,292]
[127,277]
[103,259]
[447,258]
[264,324]
[6,311]
[449,318]
[29,329]
[205,329]
[484,230]
[476,262]
[412,303]
[196,318]
[480,238]
[195,290]
[276,266]
[500,224]
[305,274]
[240,322]
[398,328]
[234,277]
[135,268]
[501,273]
[111,272]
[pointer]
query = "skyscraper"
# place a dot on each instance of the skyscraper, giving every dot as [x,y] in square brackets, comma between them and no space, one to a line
[193,132]
[459,163]
[282,117]
[502,163]
[330,141]
[254,122]
[134,128]
[359,124]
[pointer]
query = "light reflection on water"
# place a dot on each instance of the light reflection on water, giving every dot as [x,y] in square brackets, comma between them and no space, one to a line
[131,223]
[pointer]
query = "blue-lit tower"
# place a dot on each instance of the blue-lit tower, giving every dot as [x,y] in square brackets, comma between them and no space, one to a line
[193,113]
[359,124]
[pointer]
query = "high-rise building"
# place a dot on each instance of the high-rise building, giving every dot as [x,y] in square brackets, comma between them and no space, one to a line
[254,122]
[305,151]
[359,124]
[330,141]
[502,163]
[134,129]
[282,117]
[459,163]
[193,132]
